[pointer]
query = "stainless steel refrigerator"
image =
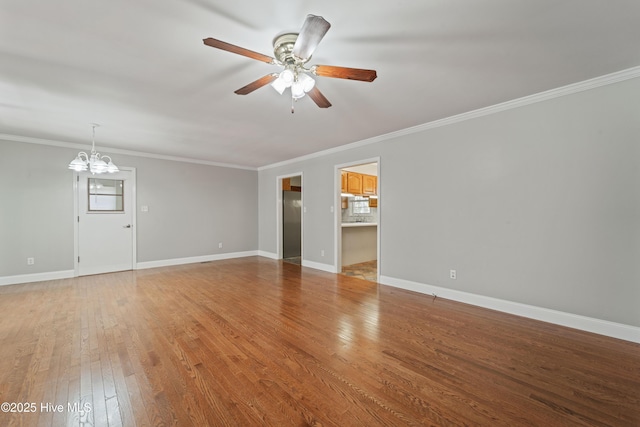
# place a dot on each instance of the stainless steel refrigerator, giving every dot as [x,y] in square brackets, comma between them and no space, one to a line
[291,224]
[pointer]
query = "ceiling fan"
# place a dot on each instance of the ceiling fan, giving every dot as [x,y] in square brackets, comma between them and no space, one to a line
[292,51]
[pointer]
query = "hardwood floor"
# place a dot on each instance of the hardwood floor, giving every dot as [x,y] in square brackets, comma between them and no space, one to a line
[253,341]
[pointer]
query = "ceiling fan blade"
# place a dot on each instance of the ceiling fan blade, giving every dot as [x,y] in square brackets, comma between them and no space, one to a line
[312,32]
[219,44]
[344,73]
[262,81]
[319,98]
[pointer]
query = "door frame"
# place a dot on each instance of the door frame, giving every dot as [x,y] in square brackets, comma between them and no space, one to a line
[338,212]
[279,228]
[76,225]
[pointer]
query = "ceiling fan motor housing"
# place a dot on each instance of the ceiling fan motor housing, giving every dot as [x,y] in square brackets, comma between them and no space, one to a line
[283,49]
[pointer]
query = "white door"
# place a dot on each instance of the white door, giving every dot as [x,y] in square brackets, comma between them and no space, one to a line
[105,220]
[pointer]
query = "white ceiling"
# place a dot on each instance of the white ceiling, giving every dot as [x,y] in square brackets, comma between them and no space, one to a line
[140,68]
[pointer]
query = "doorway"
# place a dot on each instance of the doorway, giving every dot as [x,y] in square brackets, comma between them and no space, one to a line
[105,222]
[358,221]
[292,219]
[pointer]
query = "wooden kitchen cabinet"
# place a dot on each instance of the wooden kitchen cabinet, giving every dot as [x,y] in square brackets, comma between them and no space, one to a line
[369,185]
[354,183]
[359,184]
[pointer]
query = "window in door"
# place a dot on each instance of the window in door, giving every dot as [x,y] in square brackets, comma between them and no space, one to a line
[106,195]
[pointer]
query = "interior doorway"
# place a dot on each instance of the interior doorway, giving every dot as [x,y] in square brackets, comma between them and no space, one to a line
[358,221]
[292,219]
[105,212]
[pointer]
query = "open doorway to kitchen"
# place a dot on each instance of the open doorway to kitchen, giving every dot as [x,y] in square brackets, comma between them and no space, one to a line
[358,219]
[291,236]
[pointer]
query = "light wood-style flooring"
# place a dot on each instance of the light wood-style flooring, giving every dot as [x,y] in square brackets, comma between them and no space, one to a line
[364,270]
[253,341]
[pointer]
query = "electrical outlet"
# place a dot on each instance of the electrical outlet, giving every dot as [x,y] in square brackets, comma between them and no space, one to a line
[220,245]
[31,261]
[322,252]
[452,274]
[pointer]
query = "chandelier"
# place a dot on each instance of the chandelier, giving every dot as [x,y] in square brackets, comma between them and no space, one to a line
[94,163]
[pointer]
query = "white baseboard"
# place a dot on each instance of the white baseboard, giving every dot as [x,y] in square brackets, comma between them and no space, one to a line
[36,277]
[66,274]
[193,260]
[319,266]
[589,324]
[268,254]
[311,264]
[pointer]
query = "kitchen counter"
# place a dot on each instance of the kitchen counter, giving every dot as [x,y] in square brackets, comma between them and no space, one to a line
[359,242]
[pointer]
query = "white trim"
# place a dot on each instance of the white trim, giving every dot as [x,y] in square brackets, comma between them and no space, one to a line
[589,324]
[105,149]
[69,274]
[570,89]
[266,254]
[193,260]
[319,266]
[76,226]
[35,277]
[134,218]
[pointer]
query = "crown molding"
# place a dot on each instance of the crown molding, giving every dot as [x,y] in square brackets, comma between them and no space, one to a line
[570,89]
[54,143]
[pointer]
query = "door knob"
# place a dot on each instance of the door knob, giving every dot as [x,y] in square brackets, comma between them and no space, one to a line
[126,226]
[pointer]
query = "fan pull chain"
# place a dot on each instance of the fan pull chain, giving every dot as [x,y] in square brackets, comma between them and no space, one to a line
[292,100]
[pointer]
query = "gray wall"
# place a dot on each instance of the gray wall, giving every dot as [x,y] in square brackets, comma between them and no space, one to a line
[192,207]
[36,208]
[537,205]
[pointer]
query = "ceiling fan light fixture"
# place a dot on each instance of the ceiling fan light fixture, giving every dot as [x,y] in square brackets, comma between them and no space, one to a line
[303,84]
[285,79]
[279,85]
[297,90]
[307,82]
